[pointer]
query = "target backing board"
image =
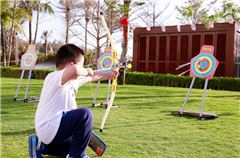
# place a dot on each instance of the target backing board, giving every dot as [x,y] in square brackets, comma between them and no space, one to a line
[29,58]
[207,49]
[204,64]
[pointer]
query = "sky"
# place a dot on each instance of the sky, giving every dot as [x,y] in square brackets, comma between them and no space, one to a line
[55,23]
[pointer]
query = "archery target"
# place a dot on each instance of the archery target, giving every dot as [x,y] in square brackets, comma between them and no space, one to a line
[105,62]
[28,60]
[203,65]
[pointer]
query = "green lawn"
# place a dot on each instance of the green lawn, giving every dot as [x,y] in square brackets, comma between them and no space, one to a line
[142,127]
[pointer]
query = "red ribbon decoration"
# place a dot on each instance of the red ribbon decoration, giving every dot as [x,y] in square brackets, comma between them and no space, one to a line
[124,23]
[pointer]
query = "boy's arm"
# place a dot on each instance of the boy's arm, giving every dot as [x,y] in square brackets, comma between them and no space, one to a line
[73,71]
[99,76]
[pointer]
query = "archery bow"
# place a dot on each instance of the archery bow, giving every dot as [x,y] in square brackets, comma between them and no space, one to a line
[114,80]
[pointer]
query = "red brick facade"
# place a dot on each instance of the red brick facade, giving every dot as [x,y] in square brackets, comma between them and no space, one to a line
[161,52]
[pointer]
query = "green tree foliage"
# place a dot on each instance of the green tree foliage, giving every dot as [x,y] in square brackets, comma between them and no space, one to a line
[192,12]
[229,10]
[10,25]
[195,12]
[13,15]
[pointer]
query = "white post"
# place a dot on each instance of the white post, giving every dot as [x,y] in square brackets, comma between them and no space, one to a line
[188,93]
[19,83]
[204,96]
[26,92]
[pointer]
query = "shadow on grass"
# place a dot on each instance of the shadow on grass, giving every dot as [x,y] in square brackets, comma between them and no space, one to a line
[151,105]
[132,124]
[146,122]
[193,117]
[50,156]
[136,123]
[169,113]
[18,132]
[9,105]
[227,114]
[4,112]
[223,96]
[144,96]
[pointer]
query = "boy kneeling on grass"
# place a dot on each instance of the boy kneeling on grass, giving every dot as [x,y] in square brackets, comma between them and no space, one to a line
[62,128]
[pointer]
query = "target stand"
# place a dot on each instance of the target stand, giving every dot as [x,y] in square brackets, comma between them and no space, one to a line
[102,104]
[105,64]
[204,66]
[28,61]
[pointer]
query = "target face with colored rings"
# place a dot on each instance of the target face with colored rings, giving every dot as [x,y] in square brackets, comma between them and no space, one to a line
[28,60]
[105,63]
[203,65]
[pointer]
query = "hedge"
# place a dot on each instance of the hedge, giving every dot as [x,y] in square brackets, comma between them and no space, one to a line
[150,79]
[16,72]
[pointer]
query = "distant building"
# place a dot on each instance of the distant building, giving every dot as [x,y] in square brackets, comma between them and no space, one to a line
[162,49]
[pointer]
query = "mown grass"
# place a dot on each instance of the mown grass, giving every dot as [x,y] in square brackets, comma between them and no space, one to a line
[142,127]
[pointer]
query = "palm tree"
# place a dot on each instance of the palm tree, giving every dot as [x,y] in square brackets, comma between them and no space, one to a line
[41,7]
[5,21]
[12,18]
[30,6]
[45,36]
[67,7]
[12,30]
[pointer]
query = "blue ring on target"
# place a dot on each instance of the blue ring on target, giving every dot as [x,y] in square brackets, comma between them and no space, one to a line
[105,63]
[203,64]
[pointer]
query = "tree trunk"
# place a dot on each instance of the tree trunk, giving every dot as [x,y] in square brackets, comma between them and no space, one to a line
[11,33]
[3,55]
[86,25]
[46,47]
[125,45]
[111,22]
[154,16]
[98,31]
[15,47]
[67,32]
[86,10]
[30,31]
[67,14]
[6,41]
[36,30]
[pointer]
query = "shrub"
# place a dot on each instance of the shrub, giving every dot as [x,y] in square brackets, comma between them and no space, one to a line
[149,79]
[218,83]
[16,72]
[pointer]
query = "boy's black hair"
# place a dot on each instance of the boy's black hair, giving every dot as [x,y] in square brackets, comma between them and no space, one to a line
[68,53]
